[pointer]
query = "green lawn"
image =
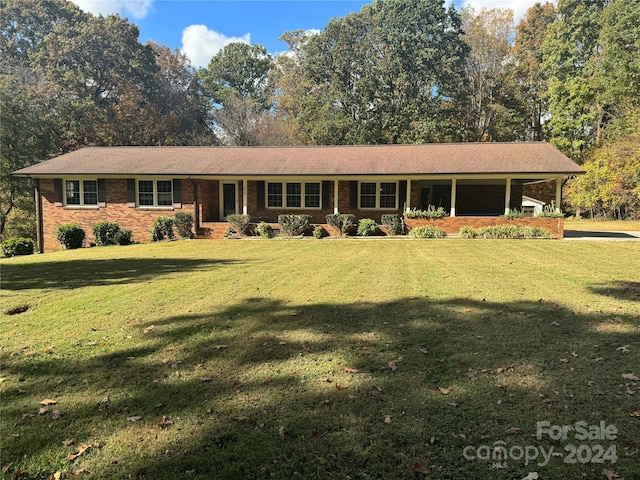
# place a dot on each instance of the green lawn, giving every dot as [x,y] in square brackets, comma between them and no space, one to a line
[602,225]
[321,359]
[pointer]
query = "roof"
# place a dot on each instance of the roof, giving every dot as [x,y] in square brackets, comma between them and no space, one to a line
[450,159]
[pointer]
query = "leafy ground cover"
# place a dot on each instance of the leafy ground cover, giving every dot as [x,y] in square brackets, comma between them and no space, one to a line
[322,360]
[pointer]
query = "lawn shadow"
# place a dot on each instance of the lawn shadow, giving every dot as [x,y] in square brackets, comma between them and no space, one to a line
[69,274]
[620,289]
[269,389]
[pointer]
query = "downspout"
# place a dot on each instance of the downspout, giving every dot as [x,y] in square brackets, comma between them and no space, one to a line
[196,209]
[39,224]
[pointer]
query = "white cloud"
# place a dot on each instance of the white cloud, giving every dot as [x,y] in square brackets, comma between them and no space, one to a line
[519,7]
[128,8]
[200,44]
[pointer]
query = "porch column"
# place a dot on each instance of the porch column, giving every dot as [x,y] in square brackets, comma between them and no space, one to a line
[407,204]
[452,213]
[558,195]
[245,208]
[39,218]
[336,208]
[507,197]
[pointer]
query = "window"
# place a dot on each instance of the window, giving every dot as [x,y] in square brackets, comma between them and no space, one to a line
[293,195]
[155,193]
[81,192]
[379,195]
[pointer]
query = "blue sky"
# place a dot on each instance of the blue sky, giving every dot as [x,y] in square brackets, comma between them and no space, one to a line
[200,28]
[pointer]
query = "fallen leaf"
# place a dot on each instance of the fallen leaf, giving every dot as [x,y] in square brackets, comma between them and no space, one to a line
[6,467]
[564,360]
[135,418]
[282,433]
[220,347]
[445,391]
[341,387]
[43,410]
[56,476]
[421,468]
[57,414]
[351,370]
[67,442]
[624,349]
[512,431]
[393,364]
[48,401]
[555,324]
[630,376]
[205,379]
[165,360]
[325,380]
[610,474]
[499,370]
[387,419]
[148,329]
[81,450]
[472,374]
[635,413]
[452,404]
[165,421]
[531,476]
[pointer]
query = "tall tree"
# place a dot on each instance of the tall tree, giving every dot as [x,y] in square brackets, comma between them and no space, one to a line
[526,69]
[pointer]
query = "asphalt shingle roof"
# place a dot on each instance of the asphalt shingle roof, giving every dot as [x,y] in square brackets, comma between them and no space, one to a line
[446,159]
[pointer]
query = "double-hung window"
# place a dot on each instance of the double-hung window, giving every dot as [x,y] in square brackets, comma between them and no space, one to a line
[81,192]
[379,195]
[155,193]
[293,195]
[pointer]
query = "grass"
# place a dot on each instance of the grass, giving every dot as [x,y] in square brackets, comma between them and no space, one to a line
[596,225]
[318,359]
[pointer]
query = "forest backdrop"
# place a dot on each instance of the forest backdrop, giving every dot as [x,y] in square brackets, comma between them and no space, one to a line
[397,71]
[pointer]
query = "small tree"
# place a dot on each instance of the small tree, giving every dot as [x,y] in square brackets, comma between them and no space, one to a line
[184,224]
[162,228]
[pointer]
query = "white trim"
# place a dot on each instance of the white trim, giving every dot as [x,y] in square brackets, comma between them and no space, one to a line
[245,208]
[378,194]
[336,197]
[407,205]
[507,197]
[558,195]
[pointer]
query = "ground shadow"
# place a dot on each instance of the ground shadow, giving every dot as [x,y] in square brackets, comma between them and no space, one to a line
[619,289]
[266,389]
[599,234]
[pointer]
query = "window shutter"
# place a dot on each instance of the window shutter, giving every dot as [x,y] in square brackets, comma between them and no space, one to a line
[353,195]
[326,194]
[402,194]
[260,190]
[102,192]
[57,191]
[131,192]
[177,193]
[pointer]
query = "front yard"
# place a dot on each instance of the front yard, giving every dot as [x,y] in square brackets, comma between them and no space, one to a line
[323,359]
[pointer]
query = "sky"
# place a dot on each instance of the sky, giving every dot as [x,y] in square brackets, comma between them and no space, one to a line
[201,28]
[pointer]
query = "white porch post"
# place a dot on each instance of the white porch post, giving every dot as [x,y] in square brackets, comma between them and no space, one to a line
[453,198]
[336,209]
[558,195]
[407,204]
[507,197]
[245,208]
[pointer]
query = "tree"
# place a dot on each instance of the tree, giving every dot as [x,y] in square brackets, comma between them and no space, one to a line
[526,68]
[488,34]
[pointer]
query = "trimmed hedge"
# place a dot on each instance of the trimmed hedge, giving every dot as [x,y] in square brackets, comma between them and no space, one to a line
[105,233]
[505,231]
[239,223]
[393,223]
[18,246]
[71,235]
[427,231]
[294,225]
[183,222]
[264,230]
[162,228]
[367,227]
[341,221]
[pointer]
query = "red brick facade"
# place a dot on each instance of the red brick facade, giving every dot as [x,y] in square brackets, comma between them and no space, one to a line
[471,199]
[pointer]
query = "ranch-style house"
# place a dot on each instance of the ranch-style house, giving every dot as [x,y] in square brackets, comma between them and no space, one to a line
[474,182]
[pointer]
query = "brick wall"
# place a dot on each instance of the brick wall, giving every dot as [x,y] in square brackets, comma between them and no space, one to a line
[116,210]
[452,225]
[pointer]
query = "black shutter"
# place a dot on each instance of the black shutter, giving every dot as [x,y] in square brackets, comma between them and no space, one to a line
[131,192]
[177,193]
[102,191]
[260,191]
[326,194]
[353,195]
[402,194]
[57,191]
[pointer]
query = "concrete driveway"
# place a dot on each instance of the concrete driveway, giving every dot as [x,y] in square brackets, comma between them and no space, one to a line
[601,235]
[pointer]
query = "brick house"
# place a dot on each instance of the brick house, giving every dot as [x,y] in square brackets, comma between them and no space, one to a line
[474,182]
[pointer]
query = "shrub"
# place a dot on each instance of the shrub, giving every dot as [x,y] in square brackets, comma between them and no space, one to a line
[513,213]
[341,221]
[17,246]
[105,233]
[319,232]
[468,232]
[393,223]
[293,225]
[162,228]
[505,231]
[430,212]
[264,230]
[123,237]
[71,235]
[549,211]
[239,223]
[183,222]
[367,227]
[427,231]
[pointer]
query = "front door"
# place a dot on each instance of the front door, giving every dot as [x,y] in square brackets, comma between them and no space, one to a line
[229,199]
